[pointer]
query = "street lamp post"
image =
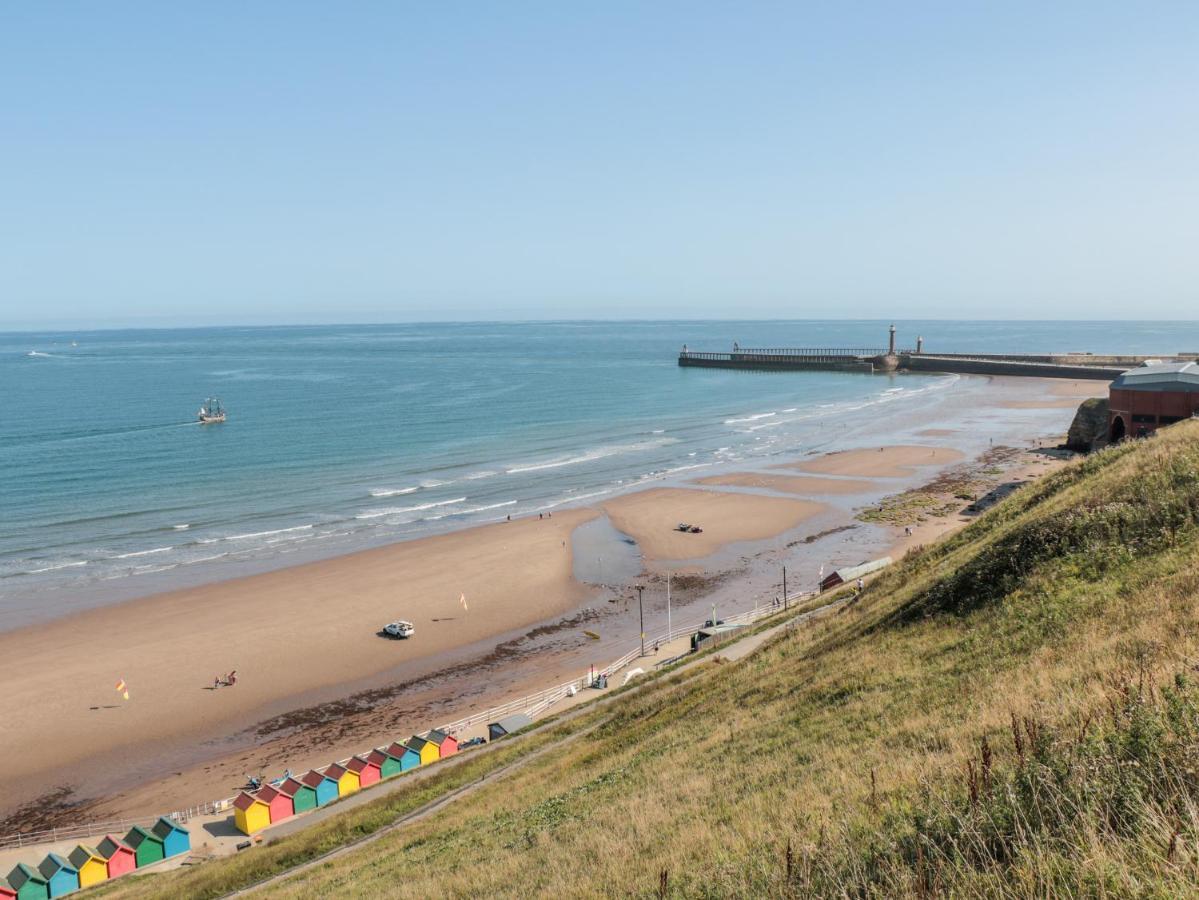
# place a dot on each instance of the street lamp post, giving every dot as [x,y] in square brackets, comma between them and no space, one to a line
[641,613]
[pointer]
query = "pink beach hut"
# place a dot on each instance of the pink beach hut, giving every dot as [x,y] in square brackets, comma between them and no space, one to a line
[447,744]
[280,804]
[120,856]
[368,772]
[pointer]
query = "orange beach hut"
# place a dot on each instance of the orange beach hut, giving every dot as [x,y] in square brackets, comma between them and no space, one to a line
[368,772]
[429,752]
[92,867]
[280,804]
[447,744]
[117,854]
[347,781]
[250,814]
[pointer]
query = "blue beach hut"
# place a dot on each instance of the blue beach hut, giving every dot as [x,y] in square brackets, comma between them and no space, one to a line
[175,838]
[409,758]
[325,787]
[60,875]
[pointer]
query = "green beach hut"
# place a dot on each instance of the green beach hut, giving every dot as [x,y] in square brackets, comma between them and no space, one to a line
[147,846]
[388,764]
[28,883]
[303,798]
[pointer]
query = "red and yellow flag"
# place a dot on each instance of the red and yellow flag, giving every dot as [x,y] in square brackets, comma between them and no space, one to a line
[123,689]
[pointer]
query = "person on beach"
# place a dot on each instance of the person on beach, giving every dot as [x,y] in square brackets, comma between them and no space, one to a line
[231,680]
[216,682]
[861,585]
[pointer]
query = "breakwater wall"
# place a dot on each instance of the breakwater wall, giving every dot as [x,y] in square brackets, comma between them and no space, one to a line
[970,365]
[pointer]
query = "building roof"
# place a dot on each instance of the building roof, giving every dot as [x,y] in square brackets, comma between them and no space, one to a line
[137,835]
[292,786]
[22,873]
[514,722]
[1179,376]
[165,826]
[111,845]
[244,801]
[336,770]
[312,778]
[357,763]
[52,863]
[82,854]
[269,792]
[378,757]
[397,750]
[849,572]
[416,743]
[438,737]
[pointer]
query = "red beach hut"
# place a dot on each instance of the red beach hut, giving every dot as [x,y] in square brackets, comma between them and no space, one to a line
[6,892]
[120,855]
[280,803]
[368,772]
[447,744]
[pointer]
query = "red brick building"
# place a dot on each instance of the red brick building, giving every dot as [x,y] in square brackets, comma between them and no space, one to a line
[1146,398]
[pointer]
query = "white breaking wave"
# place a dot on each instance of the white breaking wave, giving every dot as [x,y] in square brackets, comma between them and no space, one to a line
[591,455]
[143,553]
[393,492]
[475,476]
[69,565]
[246,537]
[490,506]
[400,510]
[182,527]
[749,418]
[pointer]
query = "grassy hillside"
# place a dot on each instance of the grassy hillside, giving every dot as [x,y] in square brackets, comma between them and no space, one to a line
[1008,713]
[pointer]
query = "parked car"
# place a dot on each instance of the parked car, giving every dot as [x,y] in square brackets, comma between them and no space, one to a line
[399,629]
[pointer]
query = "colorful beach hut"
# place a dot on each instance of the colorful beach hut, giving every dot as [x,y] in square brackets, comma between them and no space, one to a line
[6,891]
[388,764]
[447,744]
[368,772]
[147,846]
[119,855]
[427,749]
[60,875]
[347,781]
[175,838]
[250,814]
[91,866]
[280,804]
[303,798]
[409,758]
[27,883]
[325,787]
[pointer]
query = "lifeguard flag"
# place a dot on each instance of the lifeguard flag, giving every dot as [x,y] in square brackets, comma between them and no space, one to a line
[462,600]
[123,689]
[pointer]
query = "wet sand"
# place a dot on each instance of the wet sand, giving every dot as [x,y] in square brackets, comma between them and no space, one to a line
[880,462]
[651,517]
[791,484]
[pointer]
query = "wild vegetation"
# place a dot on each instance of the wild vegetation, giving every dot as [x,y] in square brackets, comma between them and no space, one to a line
[1012,712]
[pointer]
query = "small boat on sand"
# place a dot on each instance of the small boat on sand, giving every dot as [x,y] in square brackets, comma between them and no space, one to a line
[211,412]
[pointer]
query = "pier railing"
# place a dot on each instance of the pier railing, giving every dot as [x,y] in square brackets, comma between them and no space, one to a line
[806,353]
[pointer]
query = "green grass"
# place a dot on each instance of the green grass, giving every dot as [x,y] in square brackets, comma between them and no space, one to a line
[1007,713]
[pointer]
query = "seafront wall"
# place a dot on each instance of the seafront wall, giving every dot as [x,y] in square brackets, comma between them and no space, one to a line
[965,365]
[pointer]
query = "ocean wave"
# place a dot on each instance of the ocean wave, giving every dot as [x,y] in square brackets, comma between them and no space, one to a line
[749,418]
[393,492]
[431,483]
[66,565]
[476,509]
[182,527]
[475,476]
[591,455]
[143,553]
[257,534]
[400,510]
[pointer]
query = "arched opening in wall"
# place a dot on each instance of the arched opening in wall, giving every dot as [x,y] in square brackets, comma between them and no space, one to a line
[1118,429]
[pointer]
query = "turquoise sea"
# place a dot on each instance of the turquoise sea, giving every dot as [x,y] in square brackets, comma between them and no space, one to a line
[342,437]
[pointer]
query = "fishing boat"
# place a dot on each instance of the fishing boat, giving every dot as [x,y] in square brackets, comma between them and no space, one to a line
[211,412]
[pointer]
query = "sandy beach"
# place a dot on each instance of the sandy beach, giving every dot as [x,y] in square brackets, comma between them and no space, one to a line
[316,681]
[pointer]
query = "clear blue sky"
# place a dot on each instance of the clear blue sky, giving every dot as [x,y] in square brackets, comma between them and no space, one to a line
[166,163]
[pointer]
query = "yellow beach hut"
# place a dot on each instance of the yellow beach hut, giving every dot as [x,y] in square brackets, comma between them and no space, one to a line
[429,752]
[250,814]
[93,868]
[347,781]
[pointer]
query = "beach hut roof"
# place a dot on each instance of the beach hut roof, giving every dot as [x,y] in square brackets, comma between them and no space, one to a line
[313,778]
[269,792]
[397,750]
[137,834]
[438,737]
[82,854]
[164,826]
[416,742]
[851,572]
[53,863]
[378,757]
[110,844]
[335,771]
[291,786]
[244,801]
[358,763]
[22,873]
[514,722]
